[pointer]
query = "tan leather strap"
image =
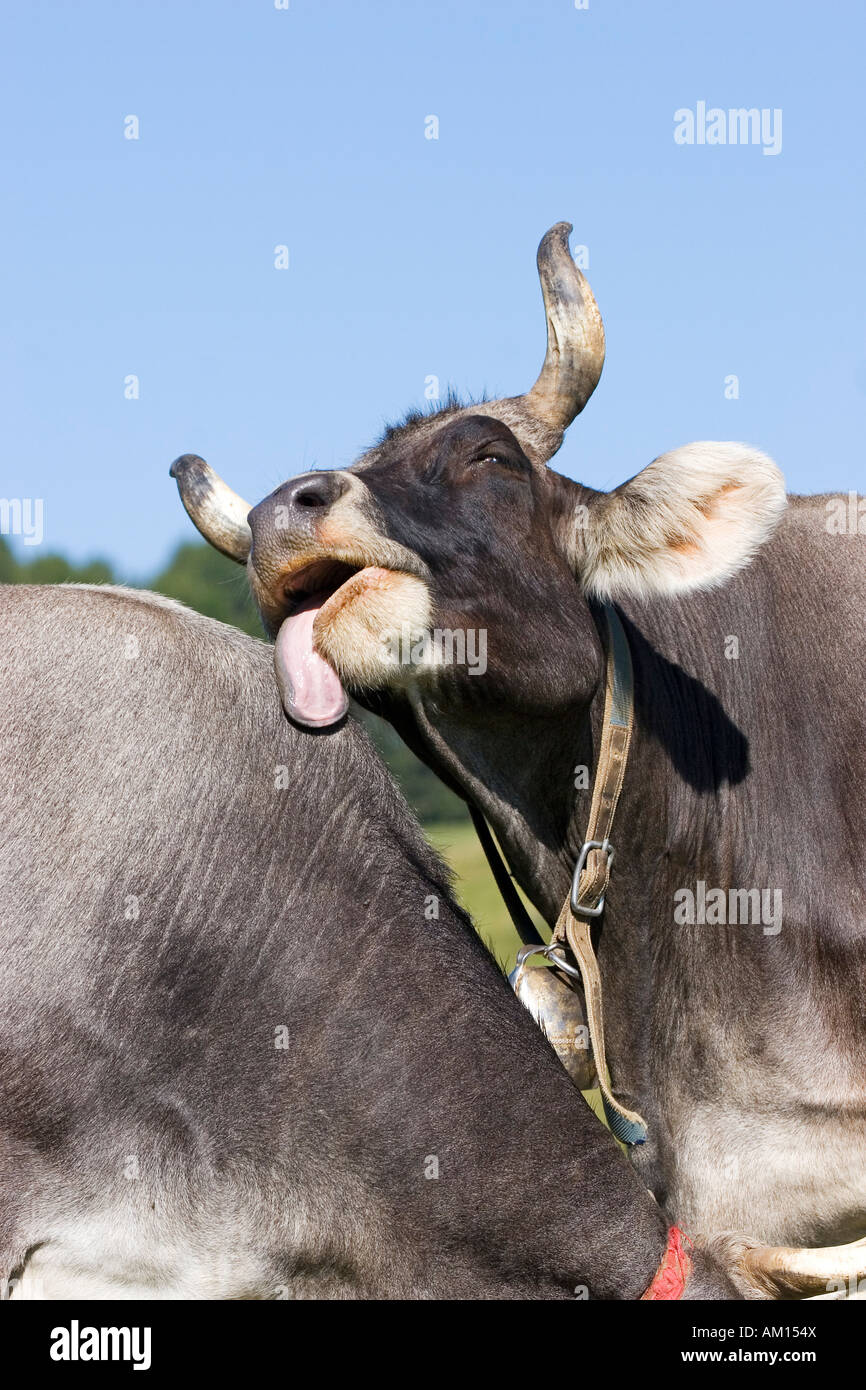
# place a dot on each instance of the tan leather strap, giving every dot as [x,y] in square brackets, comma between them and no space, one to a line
[592,873]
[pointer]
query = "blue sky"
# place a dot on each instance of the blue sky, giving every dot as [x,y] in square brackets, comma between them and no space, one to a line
[412,257]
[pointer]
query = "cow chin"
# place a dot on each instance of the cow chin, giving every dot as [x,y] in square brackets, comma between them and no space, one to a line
[372,630]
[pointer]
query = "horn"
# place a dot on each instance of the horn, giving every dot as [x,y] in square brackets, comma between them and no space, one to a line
[220,514]
[789,1272]
[575,335]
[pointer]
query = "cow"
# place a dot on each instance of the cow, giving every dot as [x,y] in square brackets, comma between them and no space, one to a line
[732,943]
[249,1046]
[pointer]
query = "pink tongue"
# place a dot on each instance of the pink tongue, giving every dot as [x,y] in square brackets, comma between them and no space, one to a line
[310,689]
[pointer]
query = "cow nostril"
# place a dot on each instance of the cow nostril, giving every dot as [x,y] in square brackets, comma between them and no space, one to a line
[309,497]
[314,490]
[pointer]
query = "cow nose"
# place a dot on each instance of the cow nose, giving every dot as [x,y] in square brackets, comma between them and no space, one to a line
[311,490]
[295,509]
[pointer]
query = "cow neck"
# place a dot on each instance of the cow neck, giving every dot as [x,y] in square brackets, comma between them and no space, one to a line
[585,903]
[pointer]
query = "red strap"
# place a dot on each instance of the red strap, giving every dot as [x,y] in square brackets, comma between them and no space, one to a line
[674,1270]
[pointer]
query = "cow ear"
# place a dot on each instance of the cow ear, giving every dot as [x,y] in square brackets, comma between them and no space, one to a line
[689,520]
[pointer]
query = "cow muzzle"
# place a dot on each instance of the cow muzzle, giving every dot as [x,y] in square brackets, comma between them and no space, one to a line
[342,599]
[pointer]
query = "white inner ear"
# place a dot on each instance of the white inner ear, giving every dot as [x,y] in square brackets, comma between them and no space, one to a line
[689,520]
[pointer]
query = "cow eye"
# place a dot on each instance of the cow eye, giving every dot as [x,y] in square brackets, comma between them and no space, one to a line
[504,460]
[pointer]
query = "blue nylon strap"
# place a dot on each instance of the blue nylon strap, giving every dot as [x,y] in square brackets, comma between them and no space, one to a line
[625,1130]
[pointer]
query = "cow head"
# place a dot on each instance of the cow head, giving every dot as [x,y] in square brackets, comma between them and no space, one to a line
[445,577]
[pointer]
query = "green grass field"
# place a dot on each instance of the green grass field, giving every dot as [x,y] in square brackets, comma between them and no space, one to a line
[457,842]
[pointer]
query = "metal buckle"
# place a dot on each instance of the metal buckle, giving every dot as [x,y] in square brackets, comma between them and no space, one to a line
[550,952]
[578,909]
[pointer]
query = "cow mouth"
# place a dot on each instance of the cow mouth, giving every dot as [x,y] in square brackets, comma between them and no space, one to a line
[314,595]
[331,585]
[321,579]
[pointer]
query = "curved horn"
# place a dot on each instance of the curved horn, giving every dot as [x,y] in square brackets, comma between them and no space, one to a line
[789,1272]
[219,513]
[575,335]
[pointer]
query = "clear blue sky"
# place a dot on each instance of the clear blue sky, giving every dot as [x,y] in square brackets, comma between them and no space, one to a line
[408,256]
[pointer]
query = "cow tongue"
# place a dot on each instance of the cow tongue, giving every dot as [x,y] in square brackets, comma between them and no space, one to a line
[309,687]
